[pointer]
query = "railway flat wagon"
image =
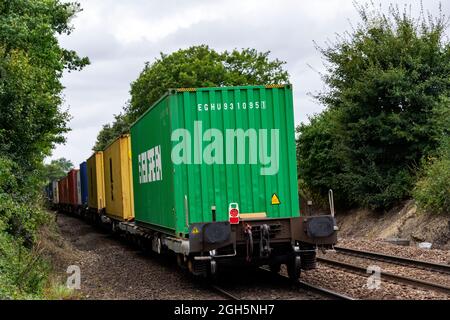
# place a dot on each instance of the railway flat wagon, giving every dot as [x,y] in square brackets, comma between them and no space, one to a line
[95,183]
[118,182]
[215,180]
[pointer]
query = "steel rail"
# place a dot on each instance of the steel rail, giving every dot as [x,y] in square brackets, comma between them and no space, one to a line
[395,259]
[225,293]
[387,275]
[328,292]
[304,285]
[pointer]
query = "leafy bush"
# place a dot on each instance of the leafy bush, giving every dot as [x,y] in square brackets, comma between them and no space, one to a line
[432,191]
[31,122]
[22,271]
[387,85]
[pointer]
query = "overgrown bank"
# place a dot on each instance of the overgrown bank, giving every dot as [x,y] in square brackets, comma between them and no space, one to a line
[31,123]
[385,129]
[404,221]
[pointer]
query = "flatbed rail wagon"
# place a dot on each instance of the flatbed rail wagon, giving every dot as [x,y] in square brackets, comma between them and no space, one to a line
[210,175]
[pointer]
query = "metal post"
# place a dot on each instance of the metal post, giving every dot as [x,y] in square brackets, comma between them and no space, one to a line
[331,200]
[186,210]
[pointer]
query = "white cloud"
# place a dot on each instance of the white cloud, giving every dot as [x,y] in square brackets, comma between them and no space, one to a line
[120,36]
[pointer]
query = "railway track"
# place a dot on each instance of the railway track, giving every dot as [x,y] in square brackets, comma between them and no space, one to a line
[326,293]
[310,287]
[436,267]
[225,293]
[387,275]
[332,294]
[284,280]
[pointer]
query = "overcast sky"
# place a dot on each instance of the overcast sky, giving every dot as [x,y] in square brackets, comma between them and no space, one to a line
[120,36]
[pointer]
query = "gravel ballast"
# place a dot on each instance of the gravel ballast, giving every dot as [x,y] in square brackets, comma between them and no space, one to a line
[411,252]
[111,269]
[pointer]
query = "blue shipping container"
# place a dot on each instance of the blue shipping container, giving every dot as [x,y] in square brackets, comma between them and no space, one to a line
[84,183]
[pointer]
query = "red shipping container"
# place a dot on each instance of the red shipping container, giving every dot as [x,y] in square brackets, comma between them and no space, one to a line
[62,187]
[72,187]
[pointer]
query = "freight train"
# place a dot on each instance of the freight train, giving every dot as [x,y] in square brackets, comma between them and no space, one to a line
[206,174]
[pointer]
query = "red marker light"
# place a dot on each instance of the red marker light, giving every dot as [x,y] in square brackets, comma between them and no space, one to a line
[233,213]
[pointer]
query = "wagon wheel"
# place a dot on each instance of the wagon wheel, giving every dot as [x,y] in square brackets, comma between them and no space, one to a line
[294,268]
[213,274]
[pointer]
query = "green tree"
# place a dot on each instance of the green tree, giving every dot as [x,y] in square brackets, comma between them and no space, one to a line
[56,169]
[432,190]
[197,66]
[31,122]
[109,132]
[385,80]
[31,66]
[317,147]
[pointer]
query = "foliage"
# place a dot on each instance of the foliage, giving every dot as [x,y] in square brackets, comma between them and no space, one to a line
[432,190]
[31,64]
[385,82]
[317,146]
[109,132]
[58,291]
[56,169]
[31,123]
[197,66]
[22,272]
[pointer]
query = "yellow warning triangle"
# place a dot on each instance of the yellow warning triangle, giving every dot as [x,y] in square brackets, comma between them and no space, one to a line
[275,199]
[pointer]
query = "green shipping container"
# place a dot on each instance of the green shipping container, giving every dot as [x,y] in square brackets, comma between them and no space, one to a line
[199,148]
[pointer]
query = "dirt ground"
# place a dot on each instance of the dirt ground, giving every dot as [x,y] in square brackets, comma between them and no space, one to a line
[404,222]
[111,269]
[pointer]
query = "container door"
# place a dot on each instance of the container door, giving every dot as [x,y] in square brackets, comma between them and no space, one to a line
[236,146]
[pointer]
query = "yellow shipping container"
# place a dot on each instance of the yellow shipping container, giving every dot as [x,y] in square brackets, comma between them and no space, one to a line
[118,179]
[96,182]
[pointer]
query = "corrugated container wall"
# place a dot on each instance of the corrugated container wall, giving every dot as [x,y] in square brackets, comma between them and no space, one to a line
[198,148]
[84,183]
[96,183]
[118,179]
[72,187]
[63,190]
